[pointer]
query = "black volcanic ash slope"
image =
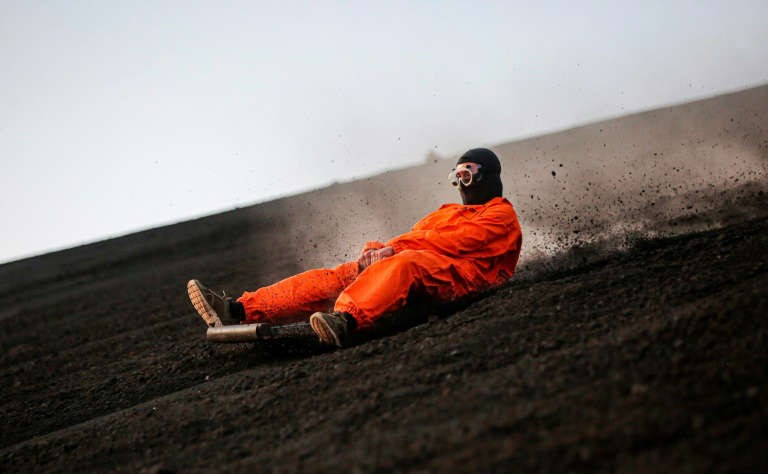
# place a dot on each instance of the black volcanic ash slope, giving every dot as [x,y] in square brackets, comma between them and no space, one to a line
[645,361]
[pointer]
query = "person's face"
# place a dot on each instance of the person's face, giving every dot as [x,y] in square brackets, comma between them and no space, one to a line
[474,185]
[464,174]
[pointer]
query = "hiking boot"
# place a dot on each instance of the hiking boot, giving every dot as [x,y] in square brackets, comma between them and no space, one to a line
[212,307]
[331,328]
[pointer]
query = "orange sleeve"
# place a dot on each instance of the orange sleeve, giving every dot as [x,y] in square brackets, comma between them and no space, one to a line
[495,232]
[372,245]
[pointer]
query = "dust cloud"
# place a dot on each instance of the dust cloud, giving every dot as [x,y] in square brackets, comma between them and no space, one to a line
[601,186]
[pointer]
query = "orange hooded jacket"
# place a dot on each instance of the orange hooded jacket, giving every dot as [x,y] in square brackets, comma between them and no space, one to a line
[450,253]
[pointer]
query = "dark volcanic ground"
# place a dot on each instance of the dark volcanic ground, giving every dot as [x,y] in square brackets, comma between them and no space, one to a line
[652,360]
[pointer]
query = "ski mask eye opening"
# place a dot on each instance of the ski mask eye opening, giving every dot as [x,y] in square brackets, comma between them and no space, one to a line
[464,173]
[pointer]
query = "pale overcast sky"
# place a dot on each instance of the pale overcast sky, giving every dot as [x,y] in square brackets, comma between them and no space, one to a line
[119,116]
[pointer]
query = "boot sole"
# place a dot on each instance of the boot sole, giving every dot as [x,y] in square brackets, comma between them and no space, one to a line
[323,330]
[204,309]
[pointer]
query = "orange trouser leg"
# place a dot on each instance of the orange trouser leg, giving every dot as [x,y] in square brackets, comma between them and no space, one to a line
[385,286]
[296,298]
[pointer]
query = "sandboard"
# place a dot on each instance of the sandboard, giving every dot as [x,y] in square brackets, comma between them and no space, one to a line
[258,331]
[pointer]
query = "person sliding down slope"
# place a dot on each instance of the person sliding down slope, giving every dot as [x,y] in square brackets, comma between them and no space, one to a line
[458,250]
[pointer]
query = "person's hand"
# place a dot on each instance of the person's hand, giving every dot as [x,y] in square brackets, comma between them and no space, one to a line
[372,256]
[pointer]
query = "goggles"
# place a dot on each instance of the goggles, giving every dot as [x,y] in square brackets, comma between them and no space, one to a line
[463,173]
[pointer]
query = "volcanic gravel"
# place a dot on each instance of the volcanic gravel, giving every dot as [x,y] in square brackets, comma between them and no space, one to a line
[610,351]
[651,360]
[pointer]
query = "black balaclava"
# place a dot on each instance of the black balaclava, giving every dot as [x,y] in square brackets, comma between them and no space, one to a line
[486,185]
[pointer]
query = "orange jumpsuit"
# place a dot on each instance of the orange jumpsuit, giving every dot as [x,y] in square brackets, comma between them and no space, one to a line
[450,253]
